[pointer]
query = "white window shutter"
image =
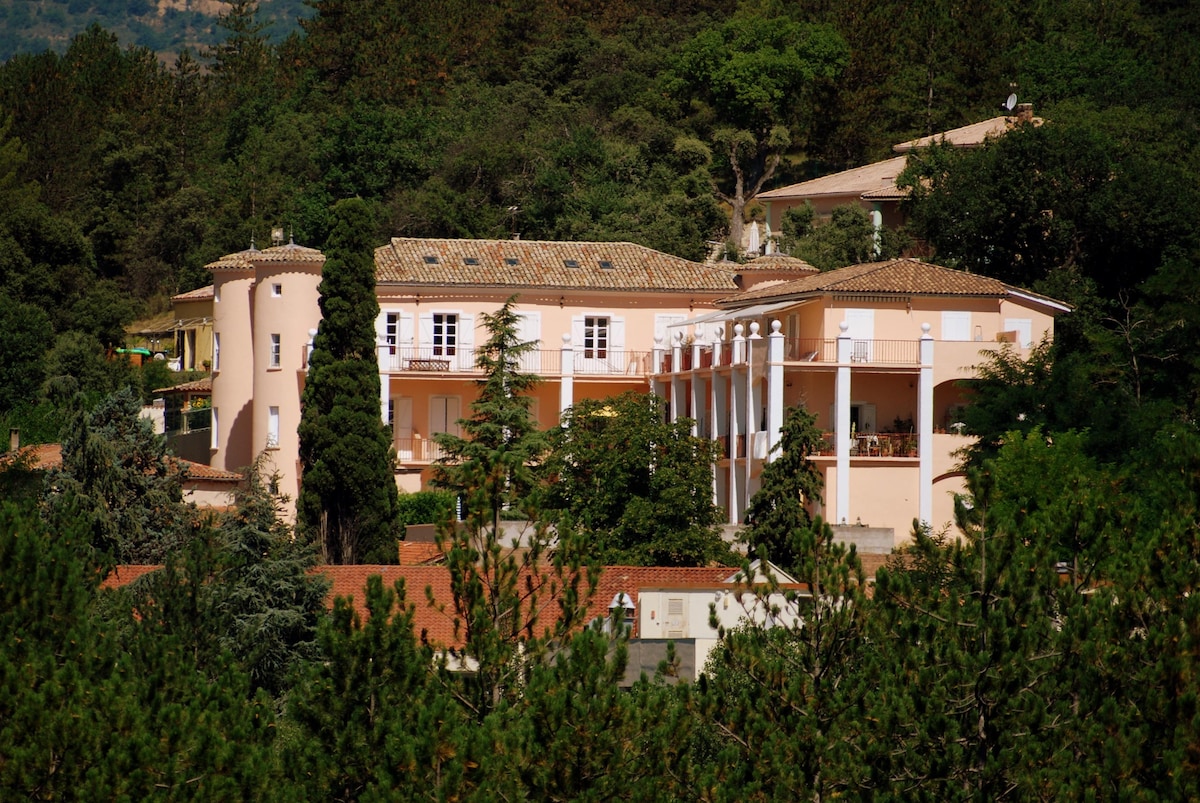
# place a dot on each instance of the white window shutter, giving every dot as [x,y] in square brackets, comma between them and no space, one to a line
[618,359]
[425,334]
[406,329]
[466,341]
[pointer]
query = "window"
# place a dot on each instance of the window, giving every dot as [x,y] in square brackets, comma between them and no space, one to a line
[571,263]
[595,338]
[276,349]
[391,331]
[217,294]
[470,260]
[276,290]
[511,261]
[445,334]
[431,260]
[212,438]
[272,427]
[606,264]
[217,351]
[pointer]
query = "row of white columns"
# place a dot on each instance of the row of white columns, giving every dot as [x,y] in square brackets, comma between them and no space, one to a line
[738,397]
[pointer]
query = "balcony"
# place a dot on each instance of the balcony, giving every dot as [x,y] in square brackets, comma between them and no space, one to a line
[799,351]
[874,444]
[411,451]
[542,362]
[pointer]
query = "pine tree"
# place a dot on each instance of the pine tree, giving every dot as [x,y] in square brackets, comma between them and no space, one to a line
[348,498]
[503,589]
[984,636]
[371,723]
[116,473]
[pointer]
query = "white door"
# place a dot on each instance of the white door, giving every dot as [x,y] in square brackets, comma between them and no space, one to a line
[402,408]
[443,417]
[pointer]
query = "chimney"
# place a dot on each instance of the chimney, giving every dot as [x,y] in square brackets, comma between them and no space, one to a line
[1024,112]
[14,439]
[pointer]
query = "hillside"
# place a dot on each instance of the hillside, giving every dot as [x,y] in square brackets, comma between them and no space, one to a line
[164,26]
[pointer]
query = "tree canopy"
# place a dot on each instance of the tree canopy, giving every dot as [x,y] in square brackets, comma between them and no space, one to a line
[639,487]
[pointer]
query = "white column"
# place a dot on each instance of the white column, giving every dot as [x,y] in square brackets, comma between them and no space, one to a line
[737,400]
[738,344]
[752,407]
[717,397]
[566,386]
[842,425]
[774,386]
[676,375]
[699,397]
[925,425]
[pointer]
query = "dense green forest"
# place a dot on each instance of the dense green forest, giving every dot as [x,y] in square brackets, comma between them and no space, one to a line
[121,176]
[1053,651]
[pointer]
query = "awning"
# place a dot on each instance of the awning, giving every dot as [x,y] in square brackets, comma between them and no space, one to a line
[742,314]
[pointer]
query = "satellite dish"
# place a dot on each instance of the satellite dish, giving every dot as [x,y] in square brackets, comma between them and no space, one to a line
[1011,103]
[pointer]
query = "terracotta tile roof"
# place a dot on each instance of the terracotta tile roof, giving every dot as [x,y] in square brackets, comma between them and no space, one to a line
[202,385]
[430,623]
[778,263]
[437,624]
[419,553]
[246,260]
[910,277]
[289,253]
[530,263]
[891,193]
[199,471]
[45,456]
[854,182]
[966,136]
[199,294]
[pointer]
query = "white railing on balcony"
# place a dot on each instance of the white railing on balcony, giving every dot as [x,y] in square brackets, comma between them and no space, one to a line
[417,450]
[543,362]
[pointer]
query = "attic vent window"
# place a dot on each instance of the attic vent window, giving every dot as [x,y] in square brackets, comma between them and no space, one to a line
[511,261]
[606,264]
[431,260]
[470,261]
[571,263]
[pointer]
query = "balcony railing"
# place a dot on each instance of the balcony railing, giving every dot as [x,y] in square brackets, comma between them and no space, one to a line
[417,450]
[543,362]
[874,444]
[796,350]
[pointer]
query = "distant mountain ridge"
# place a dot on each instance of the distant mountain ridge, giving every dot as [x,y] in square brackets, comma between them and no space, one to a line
[164,26]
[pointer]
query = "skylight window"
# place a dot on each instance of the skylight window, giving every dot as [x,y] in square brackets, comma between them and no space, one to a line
[606,264]
[511,261]
[431,260]
[470,261]
[571,263]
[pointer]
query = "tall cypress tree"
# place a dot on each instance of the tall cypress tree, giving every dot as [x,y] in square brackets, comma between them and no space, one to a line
[348,501]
